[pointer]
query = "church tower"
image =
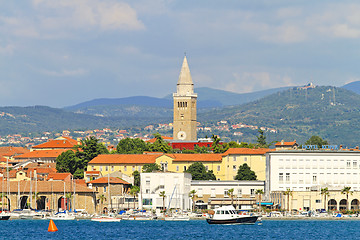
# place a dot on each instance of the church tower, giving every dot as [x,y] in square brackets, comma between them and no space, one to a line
[184,126]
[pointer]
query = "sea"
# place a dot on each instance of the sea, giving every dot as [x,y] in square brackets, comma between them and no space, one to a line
[193,229]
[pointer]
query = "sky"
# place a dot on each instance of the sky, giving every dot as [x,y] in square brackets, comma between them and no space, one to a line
[64,52]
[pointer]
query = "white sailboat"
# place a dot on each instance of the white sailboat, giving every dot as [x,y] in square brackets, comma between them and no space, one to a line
[5,215]
[62,215]
[178,216]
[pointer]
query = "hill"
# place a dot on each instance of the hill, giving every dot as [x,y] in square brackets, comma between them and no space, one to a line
[297,113]
[353,86]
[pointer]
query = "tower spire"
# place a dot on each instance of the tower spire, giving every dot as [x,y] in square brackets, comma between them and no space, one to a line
[185,85]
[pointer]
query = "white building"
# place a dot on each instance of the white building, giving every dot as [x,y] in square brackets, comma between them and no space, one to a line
[175,185]
[211,194]
[305,172]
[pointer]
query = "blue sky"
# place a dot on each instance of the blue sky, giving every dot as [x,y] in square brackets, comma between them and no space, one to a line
[60,53]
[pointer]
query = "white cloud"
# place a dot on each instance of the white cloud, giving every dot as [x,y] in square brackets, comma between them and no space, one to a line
[7,50]
[256,81]
[64,72]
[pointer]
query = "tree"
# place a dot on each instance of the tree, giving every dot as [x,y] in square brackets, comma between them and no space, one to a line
[245,173]
[86,151]
[136,176]
[150,167]
[203,149]
[198,172]
[160,145]
[131,146]
[102,198]
[230,193]
[216,146]
[346,191]
[288,193]
[163,195]
[67,162]
[192,195]
[134,192]
[259,192]
[325,192]
[261,140]
[316,140]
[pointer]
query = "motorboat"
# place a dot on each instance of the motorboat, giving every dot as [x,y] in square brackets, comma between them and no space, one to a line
[62,216]
[4,216]
[177,217]
[105,218]
[228,215]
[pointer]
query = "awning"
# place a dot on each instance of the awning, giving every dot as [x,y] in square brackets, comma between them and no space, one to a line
[265,204]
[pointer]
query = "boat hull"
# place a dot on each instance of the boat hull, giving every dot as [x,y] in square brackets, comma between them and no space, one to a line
[240,220]
[4,217]
[106,219]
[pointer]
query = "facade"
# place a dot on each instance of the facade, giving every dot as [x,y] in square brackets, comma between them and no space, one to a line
[306,172]
[175,185]
[212,194]
[184,125]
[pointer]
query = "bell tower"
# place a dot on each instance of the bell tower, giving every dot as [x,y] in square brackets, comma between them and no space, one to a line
[184,125]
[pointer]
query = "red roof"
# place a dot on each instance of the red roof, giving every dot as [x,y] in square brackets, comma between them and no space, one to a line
[208,157]
[285,143]
[163,137]
[247,151]
[58,176]
[12,151]
[42,154]
[105,180]
[62,142]
[124,158]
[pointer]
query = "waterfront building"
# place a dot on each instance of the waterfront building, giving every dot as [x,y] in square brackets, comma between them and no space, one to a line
[306,172]
[286,145]
[184,125]
[212,194]
[176,187]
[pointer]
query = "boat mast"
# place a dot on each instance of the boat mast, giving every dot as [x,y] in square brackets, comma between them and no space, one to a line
[30,192]
[109,196]
[64,197]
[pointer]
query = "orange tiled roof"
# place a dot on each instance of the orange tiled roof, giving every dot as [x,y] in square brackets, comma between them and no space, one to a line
[63,142]
[58,176]
[124,159]
[163,137]
[204,157]
[40,165]
[105,180]
[247,151]
[92,172]
[12,151]
[40,171]
[42,154]
[285,143]
[80,182]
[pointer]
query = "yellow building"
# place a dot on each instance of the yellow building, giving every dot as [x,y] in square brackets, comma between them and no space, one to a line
[235,157]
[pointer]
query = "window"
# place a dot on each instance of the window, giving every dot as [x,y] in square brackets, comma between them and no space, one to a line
[184,168]
[218,168]
[104,189]
[213,193]
[354,164]
[133,168]
[234,158]
[314,178]
[245,159]
[207,168]
[281,177]
[147,190]
[147,201]
[177,168]
[239,192]
[252,192]
[125,168]
[348,164]
[226,193]
[147,181]
[318,201]
[287,177]
[139,168]
[100,168]
[93,168]
[234,167]
[112,168]
[106,168]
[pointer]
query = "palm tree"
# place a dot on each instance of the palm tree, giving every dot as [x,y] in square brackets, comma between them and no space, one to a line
[325,192]
[346,190]
[192,195]
[134,191]
[288,193]
[102,198]
[230,193]
[162,194]
[259,192]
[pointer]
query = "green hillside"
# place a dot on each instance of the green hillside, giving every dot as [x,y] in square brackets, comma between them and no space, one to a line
[332,113]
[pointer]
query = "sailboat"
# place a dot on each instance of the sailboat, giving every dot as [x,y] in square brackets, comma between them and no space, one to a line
[109,217]
[62,215]
[179,216]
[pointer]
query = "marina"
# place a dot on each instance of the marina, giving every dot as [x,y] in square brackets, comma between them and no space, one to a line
[193,229]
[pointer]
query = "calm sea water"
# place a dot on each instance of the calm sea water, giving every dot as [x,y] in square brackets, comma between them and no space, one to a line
[194,229]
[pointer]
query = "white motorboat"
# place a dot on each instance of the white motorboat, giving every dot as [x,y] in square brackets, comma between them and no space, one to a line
[4,216]
[62,216]
[105,218]
[228,215]
[177,217]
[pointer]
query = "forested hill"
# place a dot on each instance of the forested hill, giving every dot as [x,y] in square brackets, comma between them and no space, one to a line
[330,112]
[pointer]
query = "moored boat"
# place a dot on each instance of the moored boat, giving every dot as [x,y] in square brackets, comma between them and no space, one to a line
[105,218]
[62,216]
[228,215]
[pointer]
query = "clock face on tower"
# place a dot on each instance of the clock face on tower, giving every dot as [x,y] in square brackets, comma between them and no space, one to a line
[181,135]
